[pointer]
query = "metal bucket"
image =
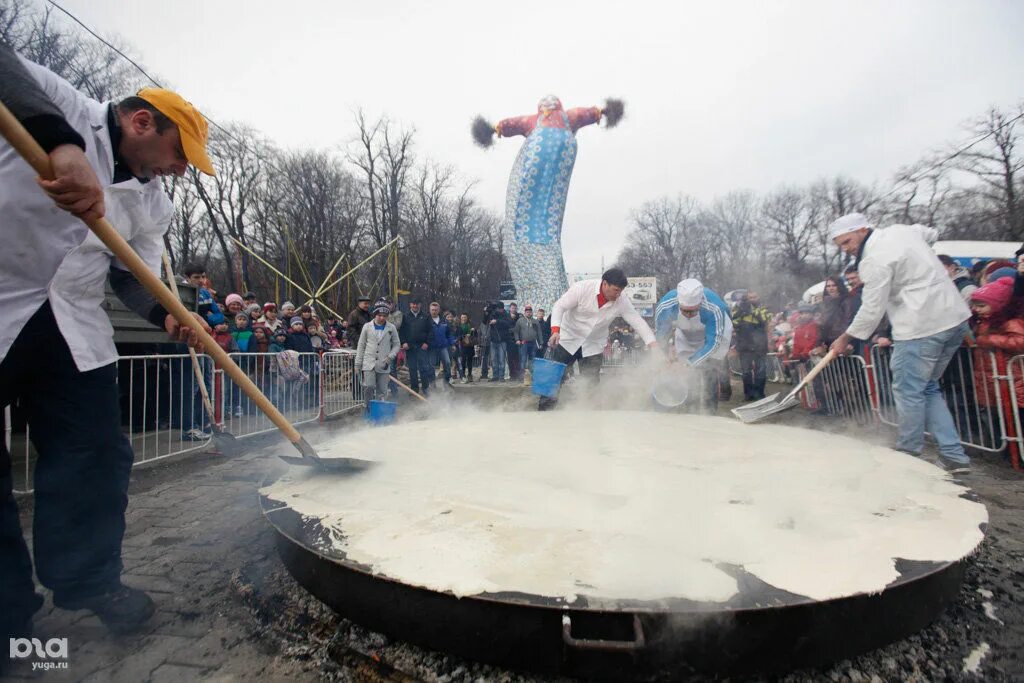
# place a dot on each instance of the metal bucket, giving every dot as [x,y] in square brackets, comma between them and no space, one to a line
[671,389]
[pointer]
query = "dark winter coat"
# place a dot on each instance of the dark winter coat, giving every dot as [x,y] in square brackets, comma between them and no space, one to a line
[356,319]
[299,341]
[750,327]
[416,330]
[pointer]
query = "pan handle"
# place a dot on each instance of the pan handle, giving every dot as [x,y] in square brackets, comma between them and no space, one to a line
[638,642]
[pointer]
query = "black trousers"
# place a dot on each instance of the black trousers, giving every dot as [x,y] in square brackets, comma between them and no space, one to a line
[755,374]
[81,477]
[590,368]
[512,359]
[468,353]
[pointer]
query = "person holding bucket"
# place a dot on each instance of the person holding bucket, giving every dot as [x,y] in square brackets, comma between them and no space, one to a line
[698,322]
[378,346]
[579,329]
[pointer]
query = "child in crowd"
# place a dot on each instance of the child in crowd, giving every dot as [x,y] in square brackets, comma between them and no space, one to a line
[270,319]
[260,342]
[805,333]
[255,312]
[223,337]
[995,329]
[279,342]
[332,339]
[242,334]
[377,347]
[298,338]
[317,337]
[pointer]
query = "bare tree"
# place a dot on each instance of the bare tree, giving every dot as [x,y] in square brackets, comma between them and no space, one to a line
[995,164]
[238,155]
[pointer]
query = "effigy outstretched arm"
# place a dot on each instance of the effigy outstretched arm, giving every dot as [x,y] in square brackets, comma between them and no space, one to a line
[483,131]
[611,112]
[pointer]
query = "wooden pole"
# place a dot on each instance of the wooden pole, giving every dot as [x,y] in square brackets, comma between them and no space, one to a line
[29,149]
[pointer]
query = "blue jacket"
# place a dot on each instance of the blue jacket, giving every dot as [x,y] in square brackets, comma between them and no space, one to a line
[442,337]
[713,315]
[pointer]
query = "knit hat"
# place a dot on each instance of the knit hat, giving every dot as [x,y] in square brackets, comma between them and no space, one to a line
[233,299]
[996,294]
[999,273]
[288,304]
[270,306]
[381,307]
[690,293]
[296,321]
[848,223]
[805,308]
[252,307]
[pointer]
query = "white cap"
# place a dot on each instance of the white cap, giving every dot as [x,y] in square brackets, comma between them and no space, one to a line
[848,223]
[690,293]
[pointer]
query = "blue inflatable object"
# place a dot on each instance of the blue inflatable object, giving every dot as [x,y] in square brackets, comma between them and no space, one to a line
[547,377]
[380,412]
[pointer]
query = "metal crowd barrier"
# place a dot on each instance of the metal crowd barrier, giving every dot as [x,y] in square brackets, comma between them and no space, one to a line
[776,370]
[1015,389]
[977,407]
[622,357]
[341,389]
[162,412]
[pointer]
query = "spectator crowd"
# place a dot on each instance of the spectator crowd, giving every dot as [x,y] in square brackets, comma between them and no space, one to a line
[498,343]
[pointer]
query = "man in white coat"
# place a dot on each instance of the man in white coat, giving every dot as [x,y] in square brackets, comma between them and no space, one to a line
[580,320]
[903,278]
[56,349]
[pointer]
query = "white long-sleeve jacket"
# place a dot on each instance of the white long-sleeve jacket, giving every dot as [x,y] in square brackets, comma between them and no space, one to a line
[48,253]
[902,277]
[581,323]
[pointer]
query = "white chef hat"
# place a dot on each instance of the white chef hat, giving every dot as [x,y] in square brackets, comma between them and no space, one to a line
[848,223]
[690,292]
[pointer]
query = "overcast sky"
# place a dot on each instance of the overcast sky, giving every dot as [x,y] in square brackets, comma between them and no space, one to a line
[719,95]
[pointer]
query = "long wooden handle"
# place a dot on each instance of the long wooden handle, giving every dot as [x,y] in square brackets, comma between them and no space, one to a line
[828,358]
[402,384]
[30,151]
[197,370]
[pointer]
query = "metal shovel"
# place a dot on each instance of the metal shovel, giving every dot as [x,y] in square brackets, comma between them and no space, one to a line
[776,403]
[33,154]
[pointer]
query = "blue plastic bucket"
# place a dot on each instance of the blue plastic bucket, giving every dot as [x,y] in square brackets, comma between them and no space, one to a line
[380,412]
[547,377]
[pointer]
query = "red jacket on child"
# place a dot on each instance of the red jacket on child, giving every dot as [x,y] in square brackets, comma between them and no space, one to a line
[1008,338]
[805,339]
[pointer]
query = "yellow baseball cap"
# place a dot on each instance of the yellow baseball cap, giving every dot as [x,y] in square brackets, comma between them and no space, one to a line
[191,124]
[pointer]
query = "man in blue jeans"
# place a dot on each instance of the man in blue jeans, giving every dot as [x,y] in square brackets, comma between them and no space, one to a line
[527,335]
[903,278]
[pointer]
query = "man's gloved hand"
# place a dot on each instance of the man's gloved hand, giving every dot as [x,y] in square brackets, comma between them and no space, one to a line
[383,366]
